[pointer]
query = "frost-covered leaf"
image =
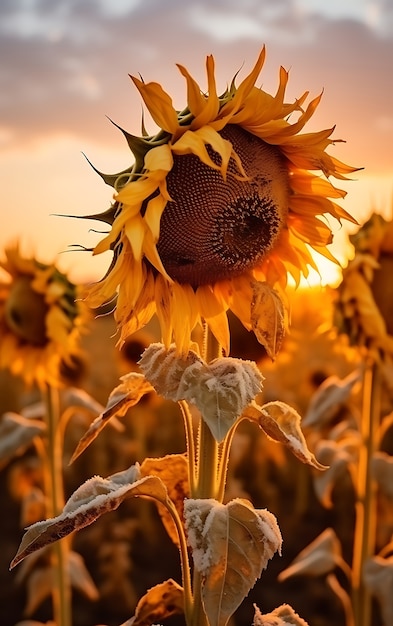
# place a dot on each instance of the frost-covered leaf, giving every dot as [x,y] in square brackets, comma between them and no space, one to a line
[282,424]
[158,603]
[320,557]
[220,389]
[284,615]
[164,368]
[378,577]
[329,399]
[16,434]
[173,471]
[123,397]
[91,500]
[268,317]
[382,471]
[231,545]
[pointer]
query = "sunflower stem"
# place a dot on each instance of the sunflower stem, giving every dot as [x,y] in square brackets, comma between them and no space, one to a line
[207,453]
[365,525]
[224,462]
[185,565]
[54,491]
[187,417]
[207,469]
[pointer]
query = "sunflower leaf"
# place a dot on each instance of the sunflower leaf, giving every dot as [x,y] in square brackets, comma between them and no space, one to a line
[173,471]
[91,500]
[231,545]
[123,397]
[220,389]
[284,615]
[160,602]
[282,424]
[16,434]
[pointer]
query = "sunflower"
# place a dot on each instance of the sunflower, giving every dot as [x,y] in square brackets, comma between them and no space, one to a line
[364,304]
[40,320]
[220,200]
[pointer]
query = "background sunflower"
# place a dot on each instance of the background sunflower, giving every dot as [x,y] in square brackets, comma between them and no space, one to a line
[40,320]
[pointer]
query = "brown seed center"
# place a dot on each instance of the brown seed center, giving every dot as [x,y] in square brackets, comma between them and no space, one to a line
[25,312]
[214,228]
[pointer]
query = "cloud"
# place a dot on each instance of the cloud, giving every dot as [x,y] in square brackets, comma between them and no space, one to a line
[67,62]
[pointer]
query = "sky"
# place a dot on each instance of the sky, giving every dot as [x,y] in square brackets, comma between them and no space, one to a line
[64,74]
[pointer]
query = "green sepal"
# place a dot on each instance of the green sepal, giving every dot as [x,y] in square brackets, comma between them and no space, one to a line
[110,179]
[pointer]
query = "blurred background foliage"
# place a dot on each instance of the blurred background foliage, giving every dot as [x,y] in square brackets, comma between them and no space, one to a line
[128,551]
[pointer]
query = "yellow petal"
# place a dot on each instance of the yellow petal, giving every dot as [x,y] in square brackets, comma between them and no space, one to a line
[159,104]
[150,250]
[213,311]
[153,214]
[159,158]
[212,105]
[135,230]
[196,101]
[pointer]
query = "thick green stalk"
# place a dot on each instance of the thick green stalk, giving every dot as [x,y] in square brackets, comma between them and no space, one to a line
[207,452]
[53,472]
[365,525]
[207,470]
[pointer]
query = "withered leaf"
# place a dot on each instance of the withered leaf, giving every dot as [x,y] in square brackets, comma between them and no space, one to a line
[284,615]
[281,423]
[173,471]
[267,317]
[329,399]
[231,545]
[16,434]
[320,557]
[123,397]
[40,582]
[378,578]
[91,500]
[158,603]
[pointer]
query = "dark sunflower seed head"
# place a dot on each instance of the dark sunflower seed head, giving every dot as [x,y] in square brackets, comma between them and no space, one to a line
[214,229]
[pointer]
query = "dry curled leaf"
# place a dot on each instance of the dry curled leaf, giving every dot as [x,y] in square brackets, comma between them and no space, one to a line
[320,557]
[281,423]
[123,397]
[339,460]
[268,317]
[40,582]
[329,399]
[173,471]
[378,578]
[231,545]
[16,434]
[284,615]
[91,500]
[382,471]
[158,603]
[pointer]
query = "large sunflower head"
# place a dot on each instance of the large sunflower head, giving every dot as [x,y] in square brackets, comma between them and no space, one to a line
[40,320]
[223,198]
